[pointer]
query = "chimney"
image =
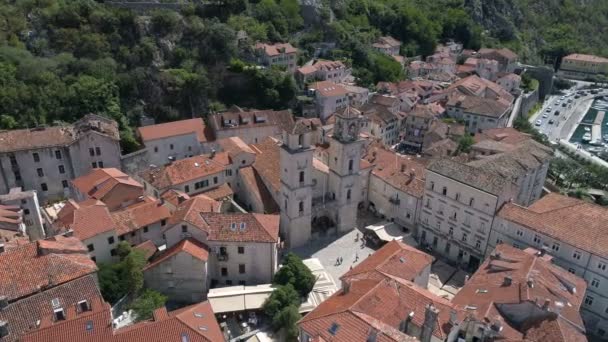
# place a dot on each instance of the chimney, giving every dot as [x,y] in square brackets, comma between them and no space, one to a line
[212,153]
[402,167]
[69,233]
[1,248]
[430,321]
[546,304]
[406,322]
[530,283]
[507,281]
[558,307]
[161,202]
[3,329]
[3,302]
[466,278]
[543,251]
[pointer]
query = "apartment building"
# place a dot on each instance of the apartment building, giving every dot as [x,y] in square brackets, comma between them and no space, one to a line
[45,159]
[380,123]
[191,175]
[47,278]
[387,45]
[242,247]
[329,97]
[279,54]
[572,232]
[175,140]
[192,323]
[507,59]
[417,124]
[27,203]
[521,296]
[480,103]
[109,185]
[458,209]
[322,70]
[396,185]
[581,66]
[252,126]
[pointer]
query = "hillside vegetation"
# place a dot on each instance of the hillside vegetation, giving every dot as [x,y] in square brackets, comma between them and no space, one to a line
[61,59]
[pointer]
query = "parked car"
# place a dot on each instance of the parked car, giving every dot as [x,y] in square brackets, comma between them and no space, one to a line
[539,122]
[545,115]
[556,112]
[551,122]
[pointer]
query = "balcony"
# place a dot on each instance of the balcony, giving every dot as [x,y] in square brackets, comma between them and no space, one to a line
[394,200]
[222,256]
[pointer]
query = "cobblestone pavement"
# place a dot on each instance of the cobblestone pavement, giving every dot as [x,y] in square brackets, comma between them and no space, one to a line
[328,249]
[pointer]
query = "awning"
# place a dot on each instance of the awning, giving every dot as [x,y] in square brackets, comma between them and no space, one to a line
[238,298]
[387,232]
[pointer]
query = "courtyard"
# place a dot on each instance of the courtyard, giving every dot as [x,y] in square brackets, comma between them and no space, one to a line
[444,281]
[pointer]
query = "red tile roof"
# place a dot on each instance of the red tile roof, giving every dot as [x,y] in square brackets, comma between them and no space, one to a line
[220,193]
[238,118]
[329,88]
[267,163]
[256,187]
[139,215]
[147,247]
[23,315]
[374,302]
[87,219]
[195,323]
[276,49]
[189,211]
[175,128]
[193,247]
[37,138]
[395,259]
[401,172]
[533,279]
[247,227]
[552,215]
[185,170]
[30,268]
[101,182]
[234,145]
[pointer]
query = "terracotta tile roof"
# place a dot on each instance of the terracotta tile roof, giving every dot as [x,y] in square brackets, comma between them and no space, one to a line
[174,197]
[36,138]
[307,69]
[479,96]
[267,163]
[329,88]
[533,279]
[139,215]
[553,215]
[234,145]
[405,173]
[472,176]
[479,105]
[195,323]
[27,269]
[100,182]
[508,135]
[220,193]
[255,187]
[147,247]
[387,301]
[585,58]
[172,129]
[238,118]
[87,219]
[504,52]
[189,211]
[23,315]
[395,259]
[517,162]
[185,170]
[388,41]
[193,247]
[241,227]
[276,49]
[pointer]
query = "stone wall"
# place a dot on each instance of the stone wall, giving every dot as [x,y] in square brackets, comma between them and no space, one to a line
[528,100]
[136,161]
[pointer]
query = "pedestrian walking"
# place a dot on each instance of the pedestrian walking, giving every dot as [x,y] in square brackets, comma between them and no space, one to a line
[337,261]
[356,257]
